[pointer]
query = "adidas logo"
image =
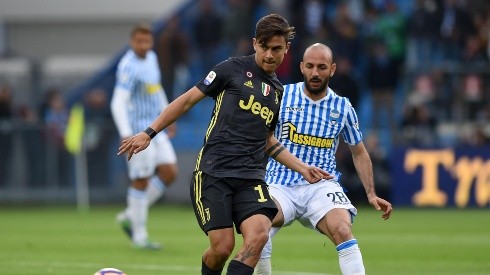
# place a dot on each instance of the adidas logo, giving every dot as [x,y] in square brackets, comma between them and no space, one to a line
[249,84]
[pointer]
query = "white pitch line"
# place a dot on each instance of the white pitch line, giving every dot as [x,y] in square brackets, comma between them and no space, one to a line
[177,268]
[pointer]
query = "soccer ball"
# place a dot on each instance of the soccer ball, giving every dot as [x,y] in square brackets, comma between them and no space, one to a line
[109,271]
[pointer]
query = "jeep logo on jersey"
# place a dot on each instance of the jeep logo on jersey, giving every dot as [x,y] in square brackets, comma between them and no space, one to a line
[256,108]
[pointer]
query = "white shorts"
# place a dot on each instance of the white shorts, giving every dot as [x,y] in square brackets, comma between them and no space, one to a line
[144,164]
[308,203]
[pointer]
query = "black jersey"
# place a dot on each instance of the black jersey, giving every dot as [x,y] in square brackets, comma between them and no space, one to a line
[247,102]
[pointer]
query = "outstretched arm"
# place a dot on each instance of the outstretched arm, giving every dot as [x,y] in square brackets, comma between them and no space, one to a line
[168,116]
[364,168]
[278,152]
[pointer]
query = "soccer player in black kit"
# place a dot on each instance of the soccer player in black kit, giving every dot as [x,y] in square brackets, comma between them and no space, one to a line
[228,187]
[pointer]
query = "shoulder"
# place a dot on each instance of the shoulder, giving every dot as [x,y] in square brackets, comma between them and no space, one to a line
[151,55]
[293,88]
[232,62]
[344,100]
[126,60]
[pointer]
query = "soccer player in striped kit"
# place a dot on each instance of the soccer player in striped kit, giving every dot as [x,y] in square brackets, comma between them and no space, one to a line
[311,119]
[138,98]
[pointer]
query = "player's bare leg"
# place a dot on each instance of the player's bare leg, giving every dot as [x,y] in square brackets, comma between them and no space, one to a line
[222,242]
[336,224]
[255,231]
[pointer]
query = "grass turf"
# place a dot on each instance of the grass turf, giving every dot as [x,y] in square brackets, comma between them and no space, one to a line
[60,240]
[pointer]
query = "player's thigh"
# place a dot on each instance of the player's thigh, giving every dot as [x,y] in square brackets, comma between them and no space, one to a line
[166,159]
[251,197]
[337,225]
[143,164]
[212,201]
[284,196]
[222,241]
[322,197]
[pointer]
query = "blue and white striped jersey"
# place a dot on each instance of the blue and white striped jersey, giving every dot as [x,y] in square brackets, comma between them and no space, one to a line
[141,77]
[310,130]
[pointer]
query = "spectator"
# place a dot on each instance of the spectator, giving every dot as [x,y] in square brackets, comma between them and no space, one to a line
[455,28]
[391,29]
[423,34]
[5,131]
[473,52]
[344,82]
[469,99]
[418,126]
[97,136]
[345,36]
[34,143]
[207,33]
[382,80]
[55,117]
[173,57]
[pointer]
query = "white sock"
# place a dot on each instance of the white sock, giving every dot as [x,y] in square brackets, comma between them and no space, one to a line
[156,188]
[350,258]
[138,214]
[263,267]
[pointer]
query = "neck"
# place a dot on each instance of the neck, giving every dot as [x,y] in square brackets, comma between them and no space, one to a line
[315,97]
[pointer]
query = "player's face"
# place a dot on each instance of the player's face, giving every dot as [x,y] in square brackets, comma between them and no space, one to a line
[271,54]
[317,69]
[141,43]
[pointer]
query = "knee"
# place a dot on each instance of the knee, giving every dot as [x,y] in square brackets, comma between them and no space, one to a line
[168,174]
[223,250]
[342,233]
[170,178]
[258,239]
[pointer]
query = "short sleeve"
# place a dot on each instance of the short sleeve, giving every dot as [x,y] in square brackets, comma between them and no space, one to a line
[351,133]
[216,80]
[125,78]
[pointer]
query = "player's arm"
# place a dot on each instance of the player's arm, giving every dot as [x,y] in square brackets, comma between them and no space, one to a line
[278,152]
[168,116]
[119,103]
[364,168]
[177,108]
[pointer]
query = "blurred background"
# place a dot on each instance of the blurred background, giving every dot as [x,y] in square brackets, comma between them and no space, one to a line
[417,72]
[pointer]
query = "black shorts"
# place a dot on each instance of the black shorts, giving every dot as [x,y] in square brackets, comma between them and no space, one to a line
[221,202]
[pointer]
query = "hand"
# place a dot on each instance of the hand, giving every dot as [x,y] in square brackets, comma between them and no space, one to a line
[314,174]
[383,205]
[134,144]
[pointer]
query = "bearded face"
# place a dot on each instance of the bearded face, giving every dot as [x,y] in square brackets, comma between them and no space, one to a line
[315,84]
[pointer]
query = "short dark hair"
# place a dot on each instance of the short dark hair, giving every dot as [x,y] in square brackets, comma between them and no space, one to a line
[141,28]
[272,25]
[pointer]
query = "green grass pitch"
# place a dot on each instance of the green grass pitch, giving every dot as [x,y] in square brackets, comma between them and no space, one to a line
[60,240]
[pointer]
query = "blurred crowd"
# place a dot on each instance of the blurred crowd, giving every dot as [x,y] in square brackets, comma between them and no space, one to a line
[417,72]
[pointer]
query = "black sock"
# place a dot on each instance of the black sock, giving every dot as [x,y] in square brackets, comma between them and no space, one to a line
[205,270]
[238,268]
